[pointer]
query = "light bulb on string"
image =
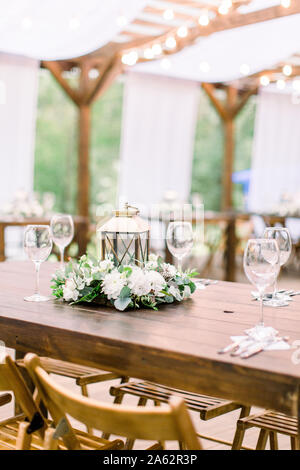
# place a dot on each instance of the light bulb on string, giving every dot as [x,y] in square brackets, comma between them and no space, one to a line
[287,70]
[280,84]
[264,80]
[130,58]
[203,19]
[182,32]
[168,14]
[170,42]
[148,53]
[285,3]
[157,49]
[223,9]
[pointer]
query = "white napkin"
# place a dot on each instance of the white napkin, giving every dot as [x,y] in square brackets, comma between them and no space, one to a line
[283,345]
[3,352]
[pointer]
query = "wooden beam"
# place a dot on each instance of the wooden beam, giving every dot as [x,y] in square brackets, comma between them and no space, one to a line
[112,69]
[218,105]
[56,70]
[83,173]
[243,100]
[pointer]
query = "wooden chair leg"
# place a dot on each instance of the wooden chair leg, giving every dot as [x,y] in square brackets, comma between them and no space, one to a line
[84,392]
[160,443]
[245,411]
[117,401]
[273,440]
[23,439]
[130,442]
[262,439]
[295,443]
[238,437]
[49,442]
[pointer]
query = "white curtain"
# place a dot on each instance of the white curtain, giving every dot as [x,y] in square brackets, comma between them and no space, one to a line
[276,152]
[159,120]
[18,98]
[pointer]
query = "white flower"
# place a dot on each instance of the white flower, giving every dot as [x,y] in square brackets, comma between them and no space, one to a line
[151,265]
[139,283]
[157,282]
[175,292]
[168,271]
[153,257]
[106,265]
[69,290]
[113,283]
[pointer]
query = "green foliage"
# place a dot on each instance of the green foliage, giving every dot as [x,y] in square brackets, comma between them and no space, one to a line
[56,147]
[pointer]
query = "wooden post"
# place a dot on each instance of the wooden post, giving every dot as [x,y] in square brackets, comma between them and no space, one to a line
[83,160]
[228,161]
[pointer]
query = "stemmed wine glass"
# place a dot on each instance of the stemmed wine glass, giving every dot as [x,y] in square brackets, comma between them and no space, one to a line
[62,231]
[38,246]
[261,265]
[284,242]
[180,240]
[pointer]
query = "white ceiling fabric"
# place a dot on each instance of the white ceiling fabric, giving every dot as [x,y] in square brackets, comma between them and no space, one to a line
[61,29]
[259,46]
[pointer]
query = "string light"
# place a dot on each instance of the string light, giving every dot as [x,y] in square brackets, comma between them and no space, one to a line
[182,32]
[204,66]
[93,73]
[203,19]
[223,9]
[280,84]
[285,3]
[165,64]
[130,58]
[74,23]
[26,23]
[296,84]
[148,53]
[264,80]
[287,70]
[168,14]
[156,49]
[170,42]
[245,69]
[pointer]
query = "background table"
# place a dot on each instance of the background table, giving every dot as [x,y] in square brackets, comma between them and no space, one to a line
[176,346]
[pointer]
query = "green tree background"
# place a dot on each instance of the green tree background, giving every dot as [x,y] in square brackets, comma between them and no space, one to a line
[56,147]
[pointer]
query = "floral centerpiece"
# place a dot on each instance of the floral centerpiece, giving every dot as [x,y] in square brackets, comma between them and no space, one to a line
[126,286]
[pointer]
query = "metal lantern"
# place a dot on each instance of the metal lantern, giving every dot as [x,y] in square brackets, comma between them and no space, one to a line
[125,236]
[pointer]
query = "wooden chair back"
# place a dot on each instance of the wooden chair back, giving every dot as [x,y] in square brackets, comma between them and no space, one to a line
[169,422]
[12,380]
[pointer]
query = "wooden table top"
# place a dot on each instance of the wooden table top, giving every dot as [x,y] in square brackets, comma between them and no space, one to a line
[176,346]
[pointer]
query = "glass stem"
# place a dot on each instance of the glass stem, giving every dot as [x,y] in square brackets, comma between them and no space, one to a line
[261,302]
[37,277]
[62,255]
[180,265]
[275,290]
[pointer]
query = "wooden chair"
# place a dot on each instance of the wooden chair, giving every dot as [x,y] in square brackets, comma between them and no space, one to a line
[171,422]
[270,424]
[207,407]
[83,375]
[27,430]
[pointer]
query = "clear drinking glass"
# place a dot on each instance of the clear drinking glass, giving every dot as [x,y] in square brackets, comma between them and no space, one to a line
[38,246]
[261,265]
[62,231]
[284,242]
[180,240]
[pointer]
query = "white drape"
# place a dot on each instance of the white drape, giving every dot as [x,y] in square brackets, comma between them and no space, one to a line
[276,149]
[18,97]
[62,29]
[159,119]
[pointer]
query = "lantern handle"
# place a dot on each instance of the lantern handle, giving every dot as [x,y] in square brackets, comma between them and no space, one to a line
[128,206]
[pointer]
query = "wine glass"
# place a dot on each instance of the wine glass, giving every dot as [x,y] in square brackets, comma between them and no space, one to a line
[283,238]
[261,266]
[62,231]
[180,240]
[38,246]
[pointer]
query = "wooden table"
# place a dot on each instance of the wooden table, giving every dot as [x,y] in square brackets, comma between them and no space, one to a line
[80,223]
[176,346]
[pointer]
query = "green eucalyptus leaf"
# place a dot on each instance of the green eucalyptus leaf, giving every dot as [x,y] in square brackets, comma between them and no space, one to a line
[122,303]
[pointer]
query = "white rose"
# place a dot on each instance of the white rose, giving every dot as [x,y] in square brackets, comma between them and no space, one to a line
[168,271]
[151,265]
[113,283]
[153,257]
[157,282]
[70,284]
[70,294]
[106,265]
[139,283]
